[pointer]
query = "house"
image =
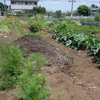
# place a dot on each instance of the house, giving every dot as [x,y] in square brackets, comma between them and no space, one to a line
[20,6]
[95,10]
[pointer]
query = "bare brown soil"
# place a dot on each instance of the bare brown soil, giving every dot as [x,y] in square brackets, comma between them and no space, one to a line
[78,78]
[50,52]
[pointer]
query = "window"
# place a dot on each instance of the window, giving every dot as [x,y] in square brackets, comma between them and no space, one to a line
[12,2]
[26,3]
[31,3]
[35,3]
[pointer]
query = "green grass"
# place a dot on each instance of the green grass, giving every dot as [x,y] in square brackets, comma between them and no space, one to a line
[5,29]
[37,35]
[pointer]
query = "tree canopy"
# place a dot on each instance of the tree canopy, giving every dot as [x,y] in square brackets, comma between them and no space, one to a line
[83,10]
[3,7]
[58,13]
[94,6]
[39,10]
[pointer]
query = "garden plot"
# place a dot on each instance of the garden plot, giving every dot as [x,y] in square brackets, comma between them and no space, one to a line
[70,73]
[50,52]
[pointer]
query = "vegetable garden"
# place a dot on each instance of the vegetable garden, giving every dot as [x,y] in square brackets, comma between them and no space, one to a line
[38,59]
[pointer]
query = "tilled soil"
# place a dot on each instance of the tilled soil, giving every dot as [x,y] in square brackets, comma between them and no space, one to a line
[50,52]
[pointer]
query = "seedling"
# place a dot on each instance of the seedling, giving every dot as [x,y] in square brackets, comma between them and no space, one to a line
[59,95]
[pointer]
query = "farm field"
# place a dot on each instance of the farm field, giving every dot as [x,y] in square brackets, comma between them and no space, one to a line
[71,74]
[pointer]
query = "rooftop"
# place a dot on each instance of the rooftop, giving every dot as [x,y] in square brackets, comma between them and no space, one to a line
[25,0]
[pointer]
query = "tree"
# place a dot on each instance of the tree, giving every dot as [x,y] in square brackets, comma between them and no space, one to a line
[68,13]
[94,6]
[58,13]
[75,12]
[84,10]
[39,10]
[3,7]
[49,13]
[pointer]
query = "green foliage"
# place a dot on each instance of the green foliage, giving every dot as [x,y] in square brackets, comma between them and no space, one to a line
[2,13]
[75,12]
[10,66]
[84,10]
[68,13]
[94,6]
[76,40]
[58,14]
[97,17]
[5,25]
[31,82]
[39,10]
[59,95]
[39,16]
[84,28]
[88,20]
[34,26]
[3,7]
[25,74]
[42,32]
[52,20]
[5,29]
[20,29]
[37,35]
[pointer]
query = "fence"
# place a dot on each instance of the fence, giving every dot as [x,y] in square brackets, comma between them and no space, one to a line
[83,17]
[2,17]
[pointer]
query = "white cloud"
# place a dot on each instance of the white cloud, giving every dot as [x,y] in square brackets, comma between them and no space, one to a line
[52,1]
[84,2]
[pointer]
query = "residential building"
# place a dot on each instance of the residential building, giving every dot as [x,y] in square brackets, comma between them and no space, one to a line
[20,6]
[95,10]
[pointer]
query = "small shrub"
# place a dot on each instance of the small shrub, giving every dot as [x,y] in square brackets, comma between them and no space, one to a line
[2,13]
[59,95]
[10,66]
[97,17]
[31,82]
[34,26]
[39,16]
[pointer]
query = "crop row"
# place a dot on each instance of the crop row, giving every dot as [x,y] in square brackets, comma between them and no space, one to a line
[76,40]
[91,24]
[84,28]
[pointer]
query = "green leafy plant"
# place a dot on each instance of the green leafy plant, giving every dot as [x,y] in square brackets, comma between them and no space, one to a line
[97,17]
[31,83]
[37,35]
[22,32]
[59,95]
[77,40]
[34,26]
[10,65]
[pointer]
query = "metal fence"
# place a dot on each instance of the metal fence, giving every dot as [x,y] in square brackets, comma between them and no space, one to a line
[83,17]
[2,17]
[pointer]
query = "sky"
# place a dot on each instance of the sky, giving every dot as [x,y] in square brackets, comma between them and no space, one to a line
[63,5]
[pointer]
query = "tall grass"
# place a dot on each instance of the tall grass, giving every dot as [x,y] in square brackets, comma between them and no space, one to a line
[97,17]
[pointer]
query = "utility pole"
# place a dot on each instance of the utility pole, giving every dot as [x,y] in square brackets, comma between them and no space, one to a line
[72,7]
[4,9]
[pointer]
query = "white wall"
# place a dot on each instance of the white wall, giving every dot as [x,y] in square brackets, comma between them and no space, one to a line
[22,7]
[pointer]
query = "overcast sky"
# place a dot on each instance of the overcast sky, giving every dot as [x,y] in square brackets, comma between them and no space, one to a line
[63,5]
